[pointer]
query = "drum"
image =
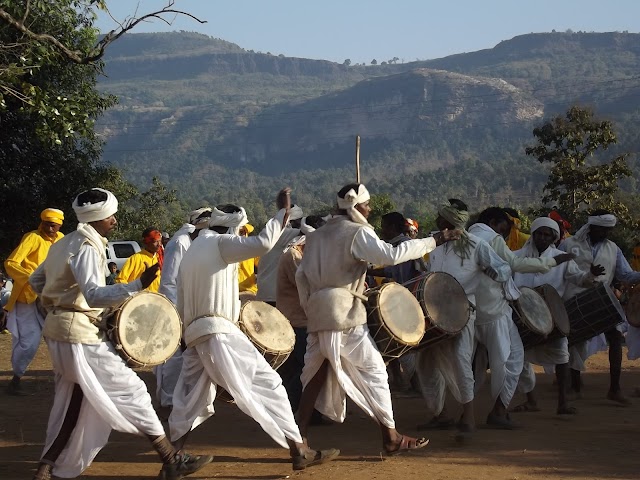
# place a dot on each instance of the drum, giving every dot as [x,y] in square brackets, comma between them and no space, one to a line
[593,312]
[395,319]
[269,331]
[632,306]
[145,329]
[246,296]
[532,317]
[445,306]
[561,324]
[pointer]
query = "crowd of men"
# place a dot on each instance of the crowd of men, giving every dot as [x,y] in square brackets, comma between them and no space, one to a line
[315,270]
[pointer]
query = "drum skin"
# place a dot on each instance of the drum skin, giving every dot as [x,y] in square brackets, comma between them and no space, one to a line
[445,306]
[145,329]
[554,301]
[395,319]
[532,317]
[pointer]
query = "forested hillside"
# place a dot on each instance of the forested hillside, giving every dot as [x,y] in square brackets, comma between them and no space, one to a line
[220,123]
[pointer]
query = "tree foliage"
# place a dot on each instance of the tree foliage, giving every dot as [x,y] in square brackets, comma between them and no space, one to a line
[578,179]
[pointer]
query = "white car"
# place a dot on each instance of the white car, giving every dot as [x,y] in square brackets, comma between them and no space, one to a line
[118,251]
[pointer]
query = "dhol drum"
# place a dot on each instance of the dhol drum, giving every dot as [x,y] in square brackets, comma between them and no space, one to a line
[145,329]
[395,319]
[532,317]
[269,331]
[593,312]
[445,306]
[632,306]
[561,324]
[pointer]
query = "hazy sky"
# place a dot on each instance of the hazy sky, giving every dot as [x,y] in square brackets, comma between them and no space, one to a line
[382,29]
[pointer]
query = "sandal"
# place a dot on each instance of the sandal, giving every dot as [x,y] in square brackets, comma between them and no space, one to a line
[309,459]
[407,444]
[525,407]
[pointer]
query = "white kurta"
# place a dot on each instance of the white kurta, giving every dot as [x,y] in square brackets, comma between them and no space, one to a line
[556,351]
[450,362]
[357,368]
[167,374]
[218,353]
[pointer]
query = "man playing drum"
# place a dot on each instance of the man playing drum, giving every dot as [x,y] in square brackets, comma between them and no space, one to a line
[342,358]
[95,391]
[167,374]
[592,247]
[218,352]
[448,365]
[544,233]
[495,329]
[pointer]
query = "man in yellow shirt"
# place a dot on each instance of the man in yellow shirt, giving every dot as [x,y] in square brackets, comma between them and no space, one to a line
[139,262]
[516,238]
[247,268]
[25,321]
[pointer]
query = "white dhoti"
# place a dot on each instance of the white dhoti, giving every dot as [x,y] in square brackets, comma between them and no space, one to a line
[632,340]
[25,324]
[232,362]
[448,365]
[167,377]
[357,370]
[505,355]
[554,352]
[114,398]
[580,352]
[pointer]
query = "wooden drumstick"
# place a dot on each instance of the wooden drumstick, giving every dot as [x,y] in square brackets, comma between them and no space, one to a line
[357,158]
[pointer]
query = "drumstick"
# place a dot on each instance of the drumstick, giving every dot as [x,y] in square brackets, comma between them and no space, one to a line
[357,158]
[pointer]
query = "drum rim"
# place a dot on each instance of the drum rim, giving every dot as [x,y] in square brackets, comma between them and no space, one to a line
[546,287]
[259,345]
[525,318]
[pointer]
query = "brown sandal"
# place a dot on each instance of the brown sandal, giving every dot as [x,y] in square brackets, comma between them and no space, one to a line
[407,444]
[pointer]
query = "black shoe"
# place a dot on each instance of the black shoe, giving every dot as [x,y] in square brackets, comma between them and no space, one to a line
[16,390]
[186,465]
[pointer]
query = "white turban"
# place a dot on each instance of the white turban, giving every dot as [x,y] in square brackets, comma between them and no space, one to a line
[607,220]
[529,247]
[305,229]
[198,218]
[295,213]
[94,212]
[233,221]
[353,198]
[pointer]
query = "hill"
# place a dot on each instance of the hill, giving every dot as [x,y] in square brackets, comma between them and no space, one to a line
[222,123]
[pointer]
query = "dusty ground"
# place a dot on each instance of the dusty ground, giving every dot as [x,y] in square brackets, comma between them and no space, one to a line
[601,442]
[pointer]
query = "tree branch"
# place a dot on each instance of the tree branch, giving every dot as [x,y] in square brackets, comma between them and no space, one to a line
[79,57]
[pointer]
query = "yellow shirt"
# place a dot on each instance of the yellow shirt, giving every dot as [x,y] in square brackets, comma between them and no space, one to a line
[516,239]
[23,261]
[135,265]
[247,275]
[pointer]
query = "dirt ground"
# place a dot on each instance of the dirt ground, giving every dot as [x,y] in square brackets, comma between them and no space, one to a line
[602,441]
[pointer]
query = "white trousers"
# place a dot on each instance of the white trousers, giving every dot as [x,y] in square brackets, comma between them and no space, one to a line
[25,324]
[114,398]
[357,370]
[448,365]
[167,377]
[231,361]
[632,340]
[554,352]
[505,351]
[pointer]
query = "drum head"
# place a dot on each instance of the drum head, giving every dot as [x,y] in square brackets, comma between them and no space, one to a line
[534,311]
[632,307]
[266,327]
[556,307]
[148,328]
[445,302]
[401,313]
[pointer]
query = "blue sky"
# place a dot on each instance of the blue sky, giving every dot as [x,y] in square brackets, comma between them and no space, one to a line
[363,30]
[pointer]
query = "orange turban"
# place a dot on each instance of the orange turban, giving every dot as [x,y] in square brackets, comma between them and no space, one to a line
[52,215]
